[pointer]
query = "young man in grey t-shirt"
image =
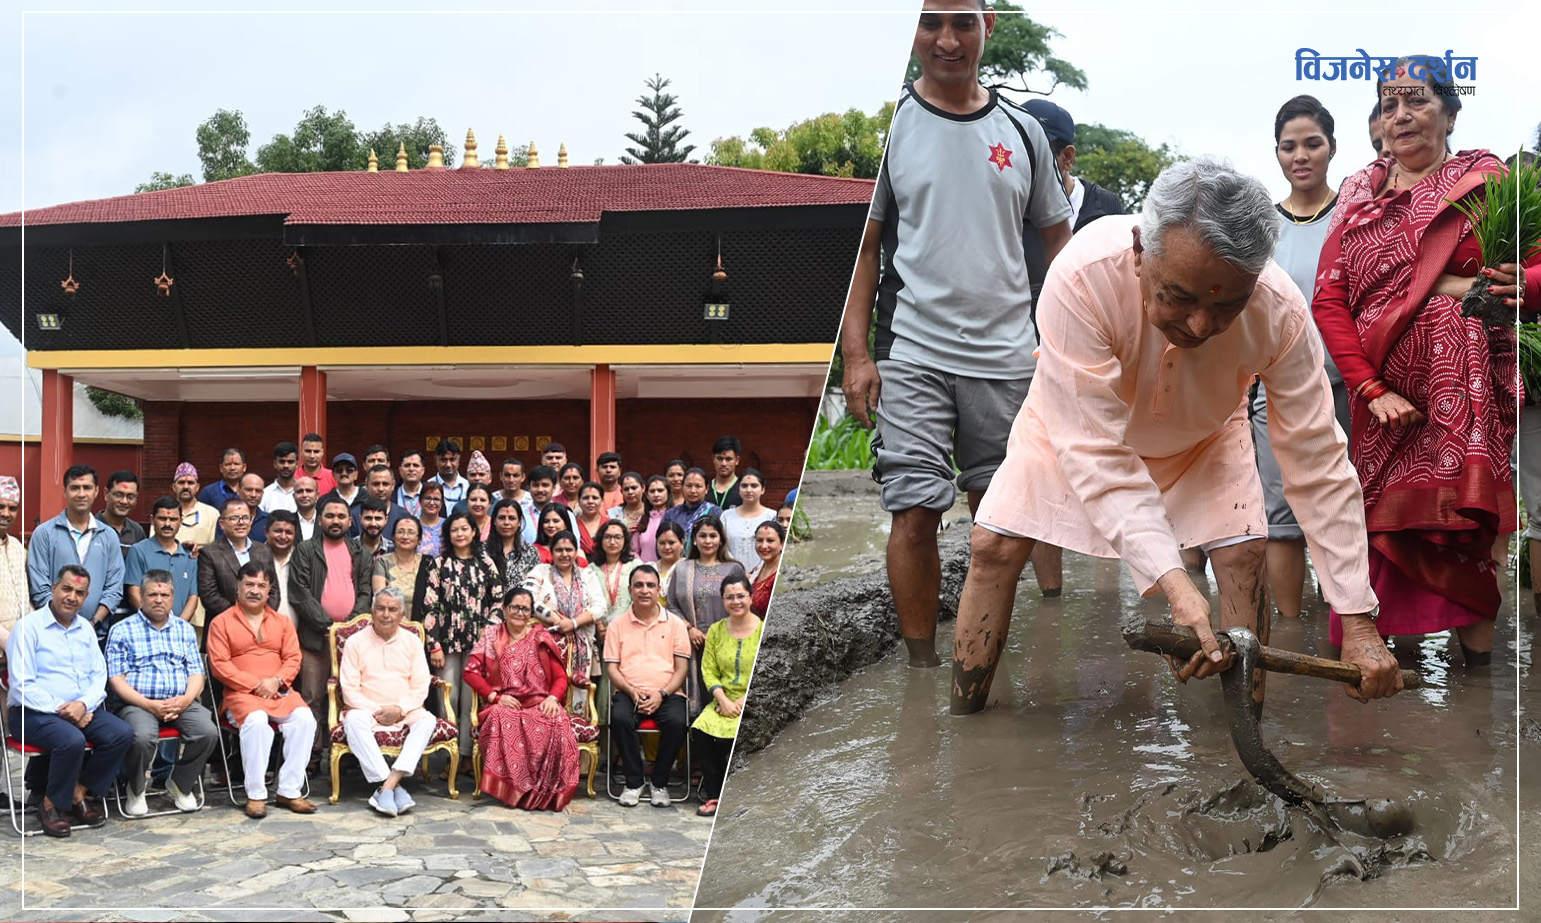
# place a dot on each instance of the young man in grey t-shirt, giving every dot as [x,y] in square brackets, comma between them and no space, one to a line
[963,171]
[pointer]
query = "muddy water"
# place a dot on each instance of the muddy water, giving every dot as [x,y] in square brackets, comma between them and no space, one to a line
[1097,781]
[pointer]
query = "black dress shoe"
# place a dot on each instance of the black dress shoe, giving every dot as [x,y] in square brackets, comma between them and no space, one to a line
[54,822]
[87,813]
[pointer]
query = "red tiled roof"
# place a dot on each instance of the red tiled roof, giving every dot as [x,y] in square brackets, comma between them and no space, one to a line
[465,196]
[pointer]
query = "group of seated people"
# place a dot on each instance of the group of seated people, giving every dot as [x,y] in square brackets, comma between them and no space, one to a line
[533,599]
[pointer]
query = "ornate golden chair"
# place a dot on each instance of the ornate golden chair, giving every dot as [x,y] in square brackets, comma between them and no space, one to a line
[446,734]
[585,729]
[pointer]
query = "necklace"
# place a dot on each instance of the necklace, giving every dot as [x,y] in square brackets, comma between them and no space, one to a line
[1315,216]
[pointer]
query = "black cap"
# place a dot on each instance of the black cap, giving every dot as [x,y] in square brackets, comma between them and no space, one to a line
[1056,122]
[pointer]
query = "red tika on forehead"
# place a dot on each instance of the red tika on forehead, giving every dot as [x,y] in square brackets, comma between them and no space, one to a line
[1214,290]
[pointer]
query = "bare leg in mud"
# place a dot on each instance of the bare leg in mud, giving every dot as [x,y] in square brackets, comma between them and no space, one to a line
[1477,639]
[1049,567]
[915,579]
[1243,604]
[984,614]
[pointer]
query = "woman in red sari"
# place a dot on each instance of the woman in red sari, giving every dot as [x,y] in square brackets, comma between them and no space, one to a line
[529,754]
[1436,393]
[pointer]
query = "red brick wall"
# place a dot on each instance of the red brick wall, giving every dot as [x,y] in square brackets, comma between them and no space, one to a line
[649,433]
[774,432]
[24,461]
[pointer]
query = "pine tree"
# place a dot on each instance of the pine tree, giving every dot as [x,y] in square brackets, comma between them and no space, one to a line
[660,143]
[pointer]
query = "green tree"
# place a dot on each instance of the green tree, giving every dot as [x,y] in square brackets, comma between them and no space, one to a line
[660,142]
[1020,47]
[826,145]
[387,139]
[1120,161]
[113,404]
[321,142]
[159,181]
[222,140]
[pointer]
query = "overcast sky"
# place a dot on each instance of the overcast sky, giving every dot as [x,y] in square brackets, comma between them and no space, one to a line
[107,98]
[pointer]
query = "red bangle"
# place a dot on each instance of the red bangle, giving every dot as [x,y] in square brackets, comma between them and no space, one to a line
[1373,389]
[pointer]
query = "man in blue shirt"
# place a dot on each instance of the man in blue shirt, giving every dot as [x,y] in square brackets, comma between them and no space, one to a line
[163,552]
[76,537]
[155,674]
[232,465]
[58,684]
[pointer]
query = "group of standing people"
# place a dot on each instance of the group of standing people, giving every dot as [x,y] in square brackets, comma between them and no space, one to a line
[514,588]
[1384,418]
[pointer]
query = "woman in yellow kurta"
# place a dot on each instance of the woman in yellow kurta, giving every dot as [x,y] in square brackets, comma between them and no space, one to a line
[727,660]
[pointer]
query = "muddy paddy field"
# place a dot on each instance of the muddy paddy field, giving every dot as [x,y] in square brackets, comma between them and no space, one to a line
[1094,781]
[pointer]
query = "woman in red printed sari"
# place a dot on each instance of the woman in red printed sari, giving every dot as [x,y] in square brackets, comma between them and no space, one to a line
[529,754]
[1435,413]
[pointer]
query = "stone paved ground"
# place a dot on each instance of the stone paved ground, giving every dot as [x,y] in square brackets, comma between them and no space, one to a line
[437,862]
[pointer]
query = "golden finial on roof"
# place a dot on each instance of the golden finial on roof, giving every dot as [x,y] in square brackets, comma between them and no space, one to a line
[561,156]
[500,155]
[401,158]
[470,159]
[435,157]
[374,162]
[534,160]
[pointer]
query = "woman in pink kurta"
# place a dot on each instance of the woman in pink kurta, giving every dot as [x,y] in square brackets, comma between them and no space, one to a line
[240,660]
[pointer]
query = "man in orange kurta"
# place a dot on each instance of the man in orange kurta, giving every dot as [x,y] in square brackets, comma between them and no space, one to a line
[255,654]
[1134,442]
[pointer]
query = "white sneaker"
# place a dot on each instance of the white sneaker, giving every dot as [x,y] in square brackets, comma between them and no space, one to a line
[185,801]
[135,805]
[661,797]
[631,797]
[384,802]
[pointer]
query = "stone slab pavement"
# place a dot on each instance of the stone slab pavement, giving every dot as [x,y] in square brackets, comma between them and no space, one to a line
[445,859]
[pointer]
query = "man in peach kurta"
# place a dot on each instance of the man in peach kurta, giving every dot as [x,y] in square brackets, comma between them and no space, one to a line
[255,654]
[383,676]
[1148,348]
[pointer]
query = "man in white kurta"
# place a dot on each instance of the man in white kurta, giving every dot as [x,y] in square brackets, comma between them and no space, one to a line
[1134,443]
[383,675]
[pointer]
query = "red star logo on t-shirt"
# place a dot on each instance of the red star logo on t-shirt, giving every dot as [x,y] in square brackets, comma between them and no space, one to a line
[1000,156]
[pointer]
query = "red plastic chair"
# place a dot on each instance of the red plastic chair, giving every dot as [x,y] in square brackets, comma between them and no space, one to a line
[18,807]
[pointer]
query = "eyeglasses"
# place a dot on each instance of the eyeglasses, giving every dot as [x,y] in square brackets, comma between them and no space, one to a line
[524,609]
[236,519]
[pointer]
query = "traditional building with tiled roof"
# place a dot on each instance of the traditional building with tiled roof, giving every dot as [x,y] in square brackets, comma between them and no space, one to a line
[645,309]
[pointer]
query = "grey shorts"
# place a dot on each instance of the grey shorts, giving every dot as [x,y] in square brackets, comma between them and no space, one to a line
[929,420]
[1282,524]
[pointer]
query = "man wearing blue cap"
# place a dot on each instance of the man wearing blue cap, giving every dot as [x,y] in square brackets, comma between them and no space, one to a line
[1088,201]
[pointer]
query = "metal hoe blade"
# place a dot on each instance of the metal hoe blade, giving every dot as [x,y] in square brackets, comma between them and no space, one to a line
[1246,733]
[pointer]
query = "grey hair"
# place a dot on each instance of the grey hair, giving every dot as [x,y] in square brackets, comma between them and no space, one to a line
[391,592]
[1228,211]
